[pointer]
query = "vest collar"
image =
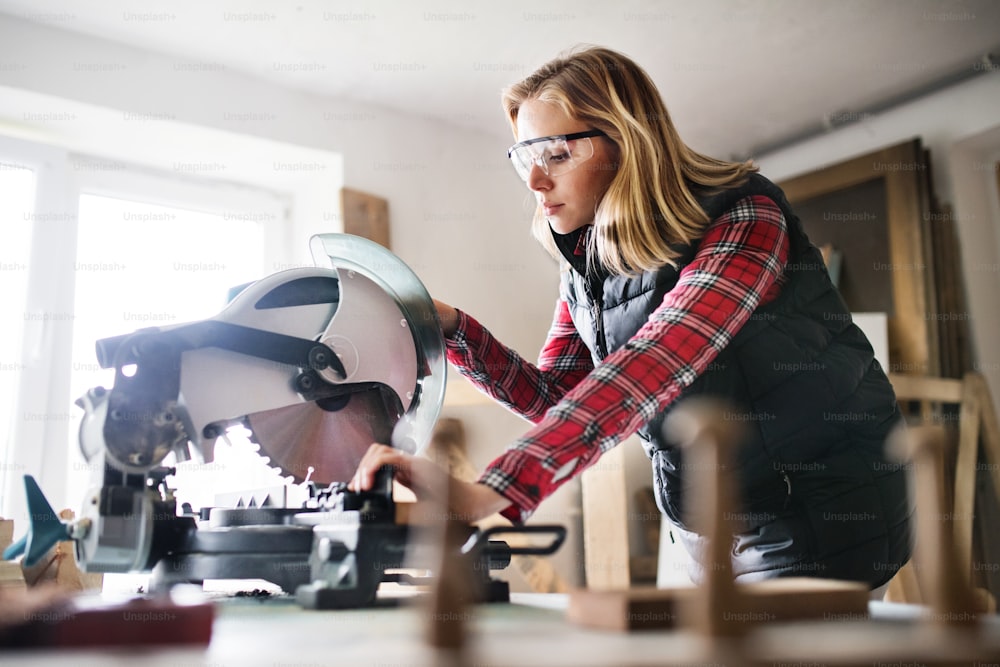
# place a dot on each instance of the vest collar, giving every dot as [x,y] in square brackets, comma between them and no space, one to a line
[573,248]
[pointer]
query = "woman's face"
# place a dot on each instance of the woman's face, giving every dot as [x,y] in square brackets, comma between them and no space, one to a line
[569,199]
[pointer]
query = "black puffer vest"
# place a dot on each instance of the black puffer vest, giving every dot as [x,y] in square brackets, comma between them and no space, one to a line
[819,497]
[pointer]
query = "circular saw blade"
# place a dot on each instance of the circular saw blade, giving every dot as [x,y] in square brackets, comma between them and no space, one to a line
[412,432]
[330,441]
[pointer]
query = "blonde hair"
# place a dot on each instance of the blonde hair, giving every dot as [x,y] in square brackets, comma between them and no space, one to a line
[649,205]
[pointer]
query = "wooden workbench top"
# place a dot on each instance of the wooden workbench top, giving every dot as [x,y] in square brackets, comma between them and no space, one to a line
[531,630]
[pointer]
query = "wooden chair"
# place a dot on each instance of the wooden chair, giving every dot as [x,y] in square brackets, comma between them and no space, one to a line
[965,407]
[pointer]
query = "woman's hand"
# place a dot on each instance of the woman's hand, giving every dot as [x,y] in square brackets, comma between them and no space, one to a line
[448,317]
[467,501]
[421,476]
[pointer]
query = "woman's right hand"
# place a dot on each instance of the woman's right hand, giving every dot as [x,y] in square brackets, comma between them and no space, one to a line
[422,476]
[448,317]
[467,501]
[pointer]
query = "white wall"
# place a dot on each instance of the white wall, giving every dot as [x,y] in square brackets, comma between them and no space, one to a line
[459,215]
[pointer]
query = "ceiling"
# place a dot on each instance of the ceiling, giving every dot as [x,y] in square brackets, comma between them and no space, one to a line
[737,75]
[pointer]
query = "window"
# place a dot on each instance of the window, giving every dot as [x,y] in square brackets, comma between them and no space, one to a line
[139,265]
[109,249]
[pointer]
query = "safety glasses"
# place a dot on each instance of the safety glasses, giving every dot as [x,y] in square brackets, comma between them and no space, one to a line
[554,154]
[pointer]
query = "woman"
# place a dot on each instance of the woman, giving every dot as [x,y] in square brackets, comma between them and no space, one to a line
[682,275]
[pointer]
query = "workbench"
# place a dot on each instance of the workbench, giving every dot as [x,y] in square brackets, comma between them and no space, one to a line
[531,630]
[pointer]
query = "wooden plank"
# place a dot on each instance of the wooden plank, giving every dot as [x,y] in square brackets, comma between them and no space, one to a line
[11,576]
[913,337]
[605,529]
[644,566]
[990,428]
[643,569]
[912,270]
[775,600]
[827,179]
[947,262]
[990,424]
[710,441]
[6,533]
[965,472]
[627,610]
[942,287]
[365,215]
[904,586]
[919,388]
[944,581]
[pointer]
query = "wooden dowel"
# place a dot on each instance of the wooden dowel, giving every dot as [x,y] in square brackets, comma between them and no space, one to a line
[709,434]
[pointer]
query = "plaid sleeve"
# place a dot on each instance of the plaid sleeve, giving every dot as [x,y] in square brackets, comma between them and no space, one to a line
[738,266]
[500,372]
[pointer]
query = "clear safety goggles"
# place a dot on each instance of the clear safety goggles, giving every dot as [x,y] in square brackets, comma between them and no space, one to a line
[554,154]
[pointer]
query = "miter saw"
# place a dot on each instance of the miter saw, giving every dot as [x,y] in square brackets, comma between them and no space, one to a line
[318,363]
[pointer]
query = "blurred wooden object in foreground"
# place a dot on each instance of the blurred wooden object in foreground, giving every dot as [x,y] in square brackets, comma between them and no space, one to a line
[59,567]
[11,577]
[964,410]
[448,450]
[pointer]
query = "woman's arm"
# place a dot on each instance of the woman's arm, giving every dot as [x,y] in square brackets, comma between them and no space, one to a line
[504,375]
[448,315]
[737,267]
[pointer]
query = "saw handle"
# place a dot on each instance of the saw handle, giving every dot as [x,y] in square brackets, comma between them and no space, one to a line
[558,533]
[382,482]
[376,501]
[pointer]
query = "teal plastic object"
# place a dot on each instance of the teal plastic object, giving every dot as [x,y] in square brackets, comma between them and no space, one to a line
[45,529]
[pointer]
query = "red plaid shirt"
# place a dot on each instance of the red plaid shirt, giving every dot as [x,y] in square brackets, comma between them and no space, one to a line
[581,411]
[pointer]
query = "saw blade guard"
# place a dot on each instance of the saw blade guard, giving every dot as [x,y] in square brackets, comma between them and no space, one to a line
[357,255]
